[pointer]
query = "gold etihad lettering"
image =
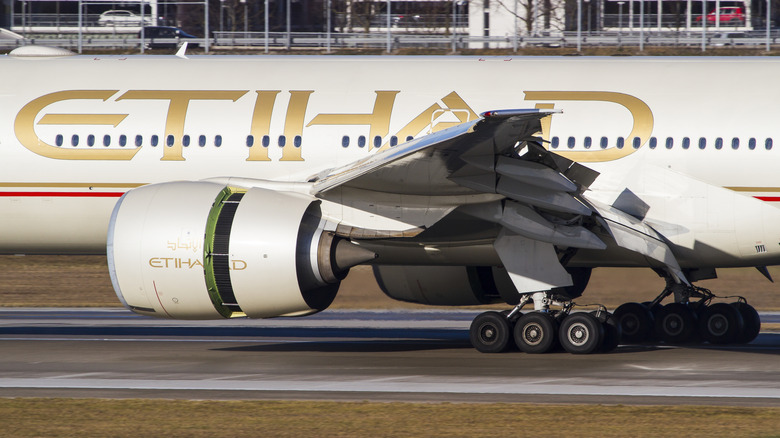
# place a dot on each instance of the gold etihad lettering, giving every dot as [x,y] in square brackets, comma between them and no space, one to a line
[641,113]
[378,120]
[261,123]
[189,263]
[178,102]
[24,126]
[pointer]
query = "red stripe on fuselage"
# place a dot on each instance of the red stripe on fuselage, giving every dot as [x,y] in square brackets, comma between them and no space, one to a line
[61,194]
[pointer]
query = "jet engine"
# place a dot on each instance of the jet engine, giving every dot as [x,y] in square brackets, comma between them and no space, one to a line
[200,250]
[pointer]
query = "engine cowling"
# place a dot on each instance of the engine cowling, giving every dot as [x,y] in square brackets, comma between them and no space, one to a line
[447,285]
[200,250]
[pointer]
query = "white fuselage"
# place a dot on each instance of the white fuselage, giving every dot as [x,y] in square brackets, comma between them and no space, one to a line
[77,132]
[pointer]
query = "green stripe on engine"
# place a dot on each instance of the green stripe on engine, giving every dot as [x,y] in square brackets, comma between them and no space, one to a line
[208,249]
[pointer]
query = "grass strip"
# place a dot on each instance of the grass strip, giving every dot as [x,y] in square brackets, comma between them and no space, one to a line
[29,417]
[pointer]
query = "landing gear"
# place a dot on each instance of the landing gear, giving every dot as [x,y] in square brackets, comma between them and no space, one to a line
[690,318]
[750,319]
[536,332]
[721,323]
[581,333]
[675,323]
[636,322]
[490,332]
[544,329]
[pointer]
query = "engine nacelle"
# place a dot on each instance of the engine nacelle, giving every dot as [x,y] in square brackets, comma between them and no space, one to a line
[199,250]
[447,285]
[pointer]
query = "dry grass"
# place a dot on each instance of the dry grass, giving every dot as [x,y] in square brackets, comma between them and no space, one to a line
[175,418]
[83,281]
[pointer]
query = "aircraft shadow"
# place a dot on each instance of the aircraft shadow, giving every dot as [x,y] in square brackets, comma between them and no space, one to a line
[355,346]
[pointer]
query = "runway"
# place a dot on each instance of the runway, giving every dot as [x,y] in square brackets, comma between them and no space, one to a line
[357,355]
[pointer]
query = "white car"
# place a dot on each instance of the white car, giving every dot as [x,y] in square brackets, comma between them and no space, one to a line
[123,18]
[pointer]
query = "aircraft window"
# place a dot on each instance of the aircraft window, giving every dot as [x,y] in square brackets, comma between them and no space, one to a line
[202,140]
[122,140]
[686,143]
[752,144]
[604,142]
[587,142]
[74,140]
[735,143]
[297,141]
[653,142]
[570,142]
[266,141]
[185,141]
[250,141]
[768,144]
[409,138]
[139,140]
[90,140]
[106,140]
[637,142]
[718,143]
[169,141]
[58,140]
[702,142]
[361,141]
[345,141]
[554,143]
[217,140]
[669,142]
[377,141]
[282,141]
[620,142]
[393,141]
[154,141]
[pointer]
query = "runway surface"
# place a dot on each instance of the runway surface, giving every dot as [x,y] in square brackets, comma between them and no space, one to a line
[357,355]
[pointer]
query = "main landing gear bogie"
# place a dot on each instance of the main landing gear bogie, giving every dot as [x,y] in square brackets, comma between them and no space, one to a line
[688,321]
[545,330]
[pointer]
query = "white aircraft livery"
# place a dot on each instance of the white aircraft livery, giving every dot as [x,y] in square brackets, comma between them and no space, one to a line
[223,187]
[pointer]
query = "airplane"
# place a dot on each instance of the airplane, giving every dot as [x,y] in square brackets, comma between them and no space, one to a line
[248,186]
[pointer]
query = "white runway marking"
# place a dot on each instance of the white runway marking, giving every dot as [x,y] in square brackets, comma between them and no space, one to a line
[383,386]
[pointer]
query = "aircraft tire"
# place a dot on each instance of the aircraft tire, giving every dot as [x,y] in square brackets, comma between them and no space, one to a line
[490,332]
[536,332]
[751,320]
[635,321]
[676,324]
[581,333]
[720,323]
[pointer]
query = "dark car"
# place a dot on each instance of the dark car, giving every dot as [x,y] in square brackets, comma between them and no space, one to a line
[166,37]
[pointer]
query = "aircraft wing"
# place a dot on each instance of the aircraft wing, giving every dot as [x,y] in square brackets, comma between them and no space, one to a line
[496,170]
[424,166]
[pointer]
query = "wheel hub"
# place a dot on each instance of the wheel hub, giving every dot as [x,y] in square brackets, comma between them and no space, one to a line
[488,333]
[718,325]
[673,325]
[578,334]
[532,334]
[630,324]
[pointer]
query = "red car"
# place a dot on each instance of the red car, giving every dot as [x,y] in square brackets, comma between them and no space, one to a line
[731,15]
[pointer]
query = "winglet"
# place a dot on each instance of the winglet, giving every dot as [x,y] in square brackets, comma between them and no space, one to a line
[182,51]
